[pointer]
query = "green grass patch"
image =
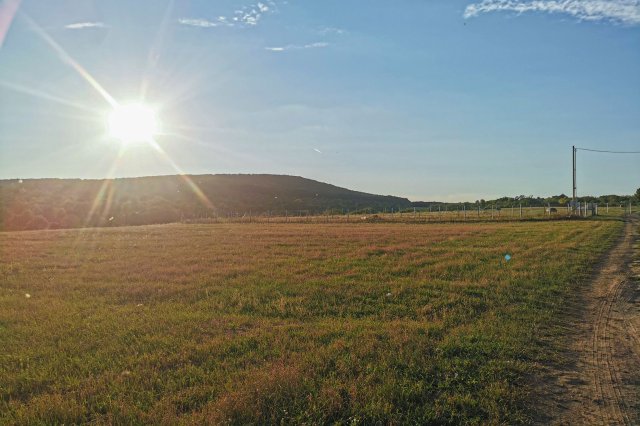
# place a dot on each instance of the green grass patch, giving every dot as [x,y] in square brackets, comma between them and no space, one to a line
[285,323]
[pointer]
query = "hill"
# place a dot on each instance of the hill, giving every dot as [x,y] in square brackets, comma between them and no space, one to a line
[70,203]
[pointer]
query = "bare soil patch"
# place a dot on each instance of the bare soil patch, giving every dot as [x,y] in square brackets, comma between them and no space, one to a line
[600,381]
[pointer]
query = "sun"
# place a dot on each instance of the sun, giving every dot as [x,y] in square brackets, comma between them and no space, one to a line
[133,123]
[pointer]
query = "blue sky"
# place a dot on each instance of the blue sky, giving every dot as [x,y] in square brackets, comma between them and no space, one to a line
[439,99]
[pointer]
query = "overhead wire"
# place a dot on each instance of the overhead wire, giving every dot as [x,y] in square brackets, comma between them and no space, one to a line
[606,151]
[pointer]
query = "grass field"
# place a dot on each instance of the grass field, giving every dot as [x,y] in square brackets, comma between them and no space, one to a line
[286,323]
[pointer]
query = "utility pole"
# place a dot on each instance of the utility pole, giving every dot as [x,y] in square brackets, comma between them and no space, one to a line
[573,150]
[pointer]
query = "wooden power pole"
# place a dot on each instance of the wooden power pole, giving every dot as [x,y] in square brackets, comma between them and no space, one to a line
[573,149]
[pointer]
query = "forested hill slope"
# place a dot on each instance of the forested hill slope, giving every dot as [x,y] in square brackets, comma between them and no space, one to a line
[69,203]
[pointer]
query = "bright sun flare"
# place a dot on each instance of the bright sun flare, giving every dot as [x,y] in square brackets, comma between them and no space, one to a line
[133,123]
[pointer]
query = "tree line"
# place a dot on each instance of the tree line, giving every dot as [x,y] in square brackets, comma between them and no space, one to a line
[531,201]
[72,203]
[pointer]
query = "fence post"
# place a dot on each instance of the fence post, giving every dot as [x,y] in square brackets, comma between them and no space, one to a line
[520,210]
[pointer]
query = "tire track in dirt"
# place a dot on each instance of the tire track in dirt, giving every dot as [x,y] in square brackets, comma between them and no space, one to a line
[606,376]
[600,383]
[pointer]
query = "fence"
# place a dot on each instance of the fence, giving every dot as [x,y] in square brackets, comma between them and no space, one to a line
[437,214]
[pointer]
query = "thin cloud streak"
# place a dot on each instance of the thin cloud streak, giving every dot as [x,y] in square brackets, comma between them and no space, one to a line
[85,25]
[317,45]
[326,31]
[619,11]
[200,23]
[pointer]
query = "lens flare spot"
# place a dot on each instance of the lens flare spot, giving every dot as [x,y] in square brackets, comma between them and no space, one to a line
[133,123]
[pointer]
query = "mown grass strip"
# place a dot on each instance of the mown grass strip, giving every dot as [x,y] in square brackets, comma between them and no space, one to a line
[367,323]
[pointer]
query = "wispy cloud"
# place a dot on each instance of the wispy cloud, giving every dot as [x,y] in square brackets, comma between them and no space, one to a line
[317,45]
[85,25]
[246,16]
[326,31]
[201,23]
[619,11]
[251,15]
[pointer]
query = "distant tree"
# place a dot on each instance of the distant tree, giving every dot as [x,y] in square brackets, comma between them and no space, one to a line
[38,222]
[637,194]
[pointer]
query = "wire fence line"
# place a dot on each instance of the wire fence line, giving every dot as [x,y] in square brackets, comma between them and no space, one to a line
[423,215]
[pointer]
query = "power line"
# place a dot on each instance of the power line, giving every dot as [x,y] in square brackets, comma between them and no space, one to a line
[610,152]
[574,151]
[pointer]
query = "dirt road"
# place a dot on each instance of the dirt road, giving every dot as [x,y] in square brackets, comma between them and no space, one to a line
[600,382]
